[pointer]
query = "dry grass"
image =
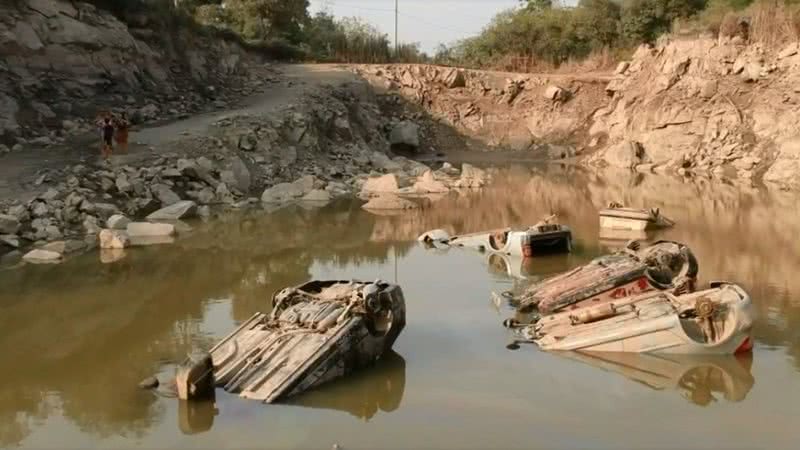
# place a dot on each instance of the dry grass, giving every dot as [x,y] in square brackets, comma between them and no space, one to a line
[600,60]
[772,22]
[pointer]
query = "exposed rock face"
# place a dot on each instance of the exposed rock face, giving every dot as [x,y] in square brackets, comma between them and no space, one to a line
[56,51]
[118,222]
[785,172]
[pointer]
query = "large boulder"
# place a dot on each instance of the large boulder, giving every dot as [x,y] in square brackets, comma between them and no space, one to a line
[383,184]
[404,136]
[118,222]
[114,239]
[9,224]
[454,78]
[184,209]
[428,184]
[146,229]
[165,195]
[40,256]
[286,192]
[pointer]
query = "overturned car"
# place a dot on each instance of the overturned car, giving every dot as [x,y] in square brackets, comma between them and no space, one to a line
[713,321]
[316,332]
[664,266]
[618,217]
[543,238]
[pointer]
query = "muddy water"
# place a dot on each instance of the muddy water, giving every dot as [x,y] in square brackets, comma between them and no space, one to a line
[77,338]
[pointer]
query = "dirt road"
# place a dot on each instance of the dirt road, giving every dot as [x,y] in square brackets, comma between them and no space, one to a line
[19,170]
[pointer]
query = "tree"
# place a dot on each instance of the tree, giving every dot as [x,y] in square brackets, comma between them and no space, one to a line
[537,5]
[260,19]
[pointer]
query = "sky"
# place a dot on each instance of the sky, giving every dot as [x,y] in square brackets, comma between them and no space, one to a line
[427,22]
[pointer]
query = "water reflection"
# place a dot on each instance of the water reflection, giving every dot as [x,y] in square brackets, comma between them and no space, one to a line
[379,388]
[697,379]
[77,338]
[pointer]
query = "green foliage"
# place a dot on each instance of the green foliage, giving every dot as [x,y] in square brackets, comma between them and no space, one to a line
[645,20]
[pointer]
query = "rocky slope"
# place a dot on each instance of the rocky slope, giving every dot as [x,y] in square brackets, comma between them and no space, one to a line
[710,107]
[61,62]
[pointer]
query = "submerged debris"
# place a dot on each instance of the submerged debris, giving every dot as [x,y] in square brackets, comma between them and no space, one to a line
[617,217]
[713,321]
[544,237]
[315,333]
[664,265]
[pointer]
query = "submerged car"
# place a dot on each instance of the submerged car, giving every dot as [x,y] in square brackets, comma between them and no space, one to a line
[663,266]
[542,238]
[714,321]
[617,217]
[316,332]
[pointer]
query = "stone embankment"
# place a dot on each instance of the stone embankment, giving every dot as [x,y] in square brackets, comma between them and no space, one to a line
[333,142]
[717,108]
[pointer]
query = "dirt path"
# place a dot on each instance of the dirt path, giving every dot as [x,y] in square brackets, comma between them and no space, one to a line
[19,170]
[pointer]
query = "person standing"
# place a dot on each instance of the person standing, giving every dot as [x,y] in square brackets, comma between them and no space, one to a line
[107,132]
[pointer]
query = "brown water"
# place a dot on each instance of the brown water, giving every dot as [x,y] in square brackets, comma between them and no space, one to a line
[77,338]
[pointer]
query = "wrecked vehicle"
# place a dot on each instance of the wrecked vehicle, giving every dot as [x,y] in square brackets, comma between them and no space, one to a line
[699,379]
[714,321]
[542,238]
[315,333]
[617,217]
[663,266]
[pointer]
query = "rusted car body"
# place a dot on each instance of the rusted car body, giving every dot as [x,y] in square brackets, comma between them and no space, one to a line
[664,265]
[617,217]
[316,332]
[542,238]
[715,321]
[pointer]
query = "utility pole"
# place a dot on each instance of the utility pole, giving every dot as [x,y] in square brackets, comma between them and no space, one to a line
[396,12]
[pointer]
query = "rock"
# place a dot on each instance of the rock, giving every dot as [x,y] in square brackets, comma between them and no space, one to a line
[241,175]
[90,225]
[622,67]
[149,112]
[114,239]
[204,211]
[389,202]
[165,195]
[708,88]
[205,196]
[785,171]
[117,222]
[427,184]
[20,212]
[9,240]
[405,135]
[383,184]
[106,184]
[9,224]
[381,161]
[555,93]
[752,71]
[626,155]
[64,247]
[184,209]
[105,210]
[223,195]
[49,195]
[471,177]
[317,195]
[123,184]
[40,256]
[146,229]
[53,233]
[283,192]
[454,78]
